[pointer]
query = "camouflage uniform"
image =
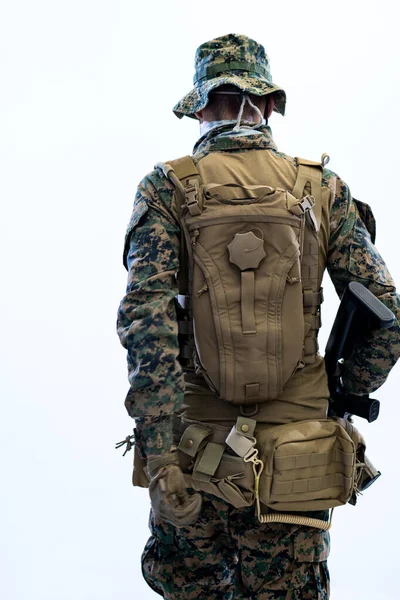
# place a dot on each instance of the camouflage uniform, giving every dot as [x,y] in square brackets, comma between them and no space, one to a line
[228,553]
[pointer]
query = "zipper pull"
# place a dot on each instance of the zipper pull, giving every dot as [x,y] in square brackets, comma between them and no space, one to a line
[293,279]
[194,237]
[202,290]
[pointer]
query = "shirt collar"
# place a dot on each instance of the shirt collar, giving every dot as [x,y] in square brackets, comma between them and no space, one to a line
[221,135]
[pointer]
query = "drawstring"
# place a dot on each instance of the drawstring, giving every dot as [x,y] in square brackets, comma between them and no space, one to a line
[245,98]
[129,441]
[258,112]
[254,107]
[239,117]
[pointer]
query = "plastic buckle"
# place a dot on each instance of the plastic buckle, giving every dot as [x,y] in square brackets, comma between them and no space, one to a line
[307,203]
[192,204]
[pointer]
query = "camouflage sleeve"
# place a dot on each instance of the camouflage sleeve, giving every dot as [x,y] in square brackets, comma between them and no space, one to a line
[147,324]
[352,256]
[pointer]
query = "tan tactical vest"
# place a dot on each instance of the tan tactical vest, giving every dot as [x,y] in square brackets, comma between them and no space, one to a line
[255,233]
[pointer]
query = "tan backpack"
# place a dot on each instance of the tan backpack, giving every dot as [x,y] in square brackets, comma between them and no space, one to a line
[249,278]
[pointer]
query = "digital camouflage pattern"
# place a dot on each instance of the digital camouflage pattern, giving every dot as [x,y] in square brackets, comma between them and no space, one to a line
[147,323]
[354,257]
[223,138]
[247,560]
[228,60]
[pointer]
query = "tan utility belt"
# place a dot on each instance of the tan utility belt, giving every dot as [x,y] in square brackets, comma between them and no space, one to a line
[297,467]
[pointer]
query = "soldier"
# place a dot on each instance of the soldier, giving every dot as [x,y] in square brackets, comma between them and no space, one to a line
[206,540]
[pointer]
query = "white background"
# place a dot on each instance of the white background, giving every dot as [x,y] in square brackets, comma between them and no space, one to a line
[87,89]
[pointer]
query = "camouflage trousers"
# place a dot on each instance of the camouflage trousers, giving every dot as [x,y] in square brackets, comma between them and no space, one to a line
[228,555]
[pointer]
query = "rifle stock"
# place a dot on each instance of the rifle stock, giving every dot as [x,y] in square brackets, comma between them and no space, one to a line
[359,312]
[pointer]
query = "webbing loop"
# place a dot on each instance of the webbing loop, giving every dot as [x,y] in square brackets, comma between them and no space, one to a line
[233,65]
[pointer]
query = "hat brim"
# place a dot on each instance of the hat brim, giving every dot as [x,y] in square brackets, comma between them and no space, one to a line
[197,98]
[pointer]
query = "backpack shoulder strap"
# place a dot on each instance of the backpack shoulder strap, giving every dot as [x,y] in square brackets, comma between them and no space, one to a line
[183,173]
[185,177]
[309,175]
[184,167]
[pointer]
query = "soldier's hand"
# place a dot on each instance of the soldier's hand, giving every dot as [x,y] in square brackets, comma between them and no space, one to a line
[169,497]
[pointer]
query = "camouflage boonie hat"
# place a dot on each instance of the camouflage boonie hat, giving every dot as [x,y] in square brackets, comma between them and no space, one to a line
[230,59]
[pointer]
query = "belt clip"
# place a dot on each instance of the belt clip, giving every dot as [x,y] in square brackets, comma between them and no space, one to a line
[241,437]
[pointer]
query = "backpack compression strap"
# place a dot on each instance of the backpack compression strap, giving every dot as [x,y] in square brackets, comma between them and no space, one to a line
[309,181]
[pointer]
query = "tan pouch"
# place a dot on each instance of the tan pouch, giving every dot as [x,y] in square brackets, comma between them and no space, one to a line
[308,465]
[209,468]
[232,481]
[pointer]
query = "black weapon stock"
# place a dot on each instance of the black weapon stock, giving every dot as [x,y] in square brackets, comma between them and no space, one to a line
[359,312]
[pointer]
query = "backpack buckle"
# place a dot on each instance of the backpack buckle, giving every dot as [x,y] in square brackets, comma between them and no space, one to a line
[191,195]
[307,203]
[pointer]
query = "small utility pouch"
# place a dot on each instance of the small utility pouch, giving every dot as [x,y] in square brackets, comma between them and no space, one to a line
[308,465]
[208,467]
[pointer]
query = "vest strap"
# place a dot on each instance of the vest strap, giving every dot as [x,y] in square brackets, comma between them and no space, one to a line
[309,172]
[186,178]
[208,462]
[184,168]
[192,438]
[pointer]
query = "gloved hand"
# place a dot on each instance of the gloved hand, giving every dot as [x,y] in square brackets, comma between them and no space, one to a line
[168,495]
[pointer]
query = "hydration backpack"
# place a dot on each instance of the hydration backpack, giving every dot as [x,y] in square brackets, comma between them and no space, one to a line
[249,307]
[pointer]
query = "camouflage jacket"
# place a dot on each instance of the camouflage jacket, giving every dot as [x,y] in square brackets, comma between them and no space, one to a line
[147,324]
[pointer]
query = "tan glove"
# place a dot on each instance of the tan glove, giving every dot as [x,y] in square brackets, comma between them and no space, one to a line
[168,495]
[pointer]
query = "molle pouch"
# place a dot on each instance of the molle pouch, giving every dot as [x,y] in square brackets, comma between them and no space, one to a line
[232,480]
[209,468]
[308,465]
